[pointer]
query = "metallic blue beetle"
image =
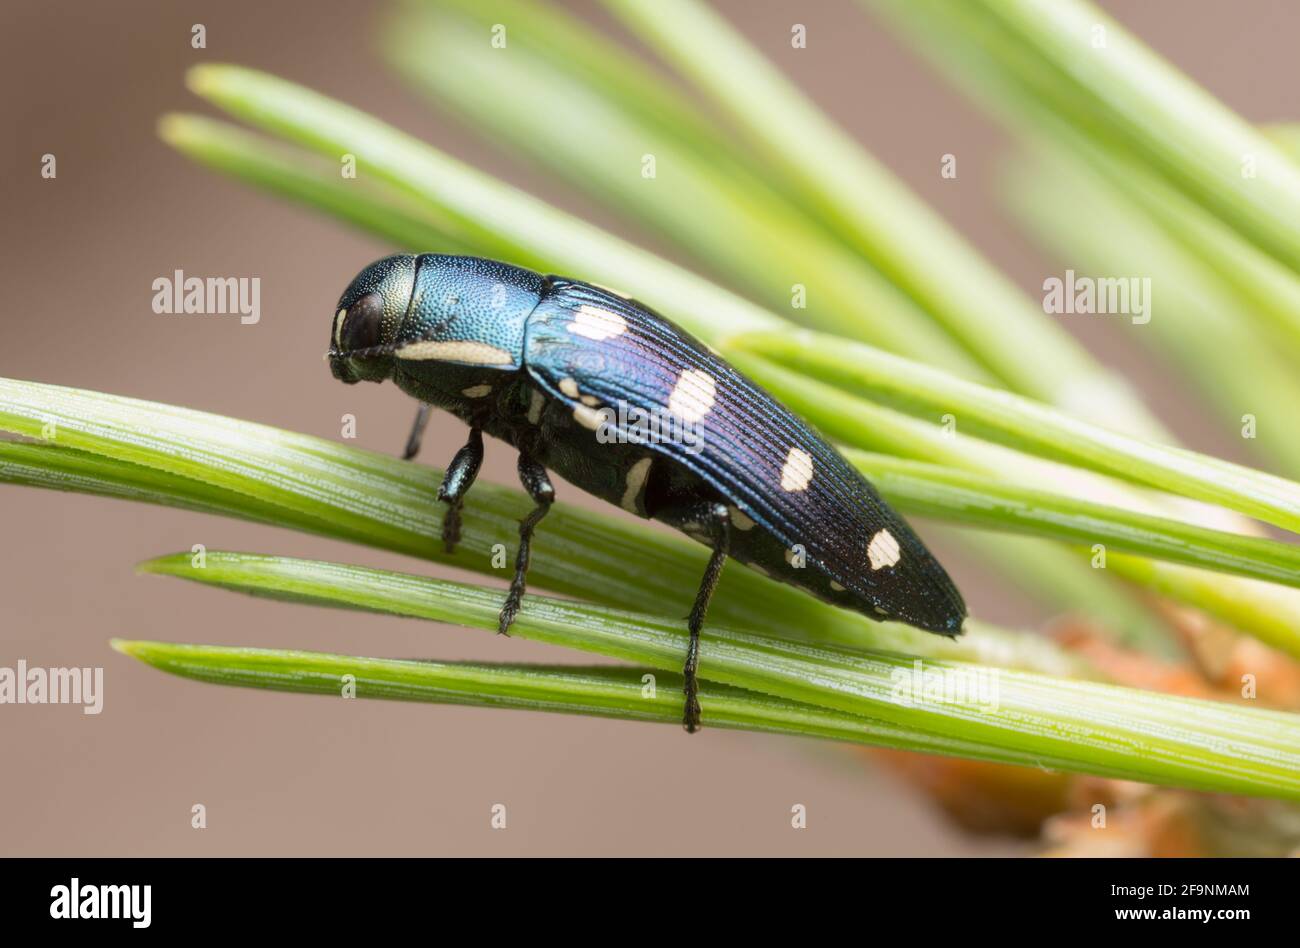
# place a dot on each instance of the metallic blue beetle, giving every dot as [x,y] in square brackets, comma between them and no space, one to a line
[625,405]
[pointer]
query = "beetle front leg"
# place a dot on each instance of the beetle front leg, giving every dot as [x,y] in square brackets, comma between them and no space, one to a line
[459,477]
[535,480]
[417,433]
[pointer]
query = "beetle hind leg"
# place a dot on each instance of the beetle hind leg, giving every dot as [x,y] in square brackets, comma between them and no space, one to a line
[713,520]
[535,480]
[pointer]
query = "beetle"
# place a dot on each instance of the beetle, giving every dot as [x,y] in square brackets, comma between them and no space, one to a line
[627,406]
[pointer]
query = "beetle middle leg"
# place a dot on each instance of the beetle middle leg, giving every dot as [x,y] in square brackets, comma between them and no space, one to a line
[535,480]
[459,477]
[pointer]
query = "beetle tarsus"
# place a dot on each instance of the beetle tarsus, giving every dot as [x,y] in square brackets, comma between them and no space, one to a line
[535,480]
[451,527]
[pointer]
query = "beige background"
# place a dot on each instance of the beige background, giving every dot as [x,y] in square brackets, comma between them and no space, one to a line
[283,774]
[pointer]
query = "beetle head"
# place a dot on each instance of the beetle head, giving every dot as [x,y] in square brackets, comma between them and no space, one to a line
[368,317]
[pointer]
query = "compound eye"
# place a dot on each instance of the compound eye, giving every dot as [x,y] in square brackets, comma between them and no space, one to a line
[361,325]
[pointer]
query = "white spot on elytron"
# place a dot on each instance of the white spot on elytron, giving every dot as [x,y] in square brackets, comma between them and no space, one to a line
[596,323]
[693,395]
[636,477]
[739,520]
[591,400]
[883,550]
[797,473]
[569,387]
[338,328]
[474,353]
[587,417]
[836,587]
[476,391]
[535,407]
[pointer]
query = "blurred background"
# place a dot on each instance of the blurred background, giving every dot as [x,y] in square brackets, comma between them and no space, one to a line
[282,774]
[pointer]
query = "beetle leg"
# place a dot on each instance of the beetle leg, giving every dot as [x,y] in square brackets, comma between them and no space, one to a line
[719,523]
[459,477]
[535,480]
[417,433]
[713,519]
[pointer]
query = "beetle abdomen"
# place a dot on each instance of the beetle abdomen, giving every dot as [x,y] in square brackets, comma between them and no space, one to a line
[800,511]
